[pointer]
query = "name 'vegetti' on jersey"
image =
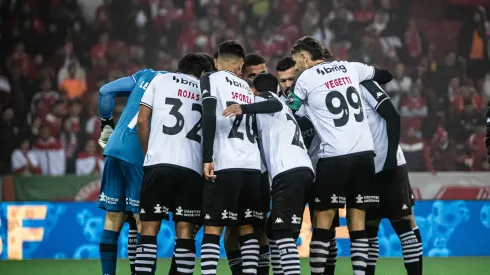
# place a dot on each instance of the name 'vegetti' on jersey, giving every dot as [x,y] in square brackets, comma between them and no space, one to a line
[234,143]
[175,133]
[330,94]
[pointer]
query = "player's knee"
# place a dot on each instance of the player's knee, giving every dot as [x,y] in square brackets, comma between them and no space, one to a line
[261,235]
[356,219]
[246,229]
[114,221]
[184,230]
[373,223]
[138,221]
[150,228]
[231,239]
[323,219]
[213,230]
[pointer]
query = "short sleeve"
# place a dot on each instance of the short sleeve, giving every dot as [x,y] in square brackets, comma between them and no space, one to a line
[138,74]
[364,71]
[373,94]
[299,87]
[207,89]
[148,96]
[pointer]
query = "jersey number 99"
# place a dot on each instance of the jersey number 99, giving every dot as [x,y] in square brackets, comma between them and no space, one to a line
[179,125]
[343,107]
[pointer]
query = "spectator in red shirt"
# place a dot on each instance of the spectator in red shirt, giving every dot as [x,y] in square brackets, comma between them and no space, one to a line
[476,142]
[24,161]
[413,109]
[466,93]
[442,155]
[49,153]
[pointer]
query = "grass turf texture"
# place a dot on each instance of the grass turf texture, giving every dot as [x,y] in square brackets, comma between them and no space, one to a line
[386,266]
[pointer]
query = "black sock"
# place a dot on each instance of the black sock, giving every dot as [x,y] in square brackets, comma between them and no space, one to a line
[264,260]
[289,252]
[108,251]
[359,248]
[173,267]
[185,256]
[146,255]
[250,249]
[332,254]
[319,250]
[235,261]
[132,243]
[373,252]
[410,246]
[275,258]
[210,251]
[419,238]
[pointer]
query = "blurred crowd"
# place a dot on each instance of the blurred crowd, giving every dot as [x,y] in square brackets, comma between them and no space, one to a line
[56,54]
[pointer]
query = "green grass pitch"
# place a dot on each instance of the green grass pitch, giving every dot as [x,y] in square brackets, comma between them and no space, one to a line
[386,266]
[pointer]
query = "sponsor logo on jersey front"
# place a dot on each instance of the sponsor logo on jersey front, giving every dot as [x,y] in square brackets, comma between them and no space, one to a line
[185,82]
[330,69]
[367,199]
[234,83]
[158,209]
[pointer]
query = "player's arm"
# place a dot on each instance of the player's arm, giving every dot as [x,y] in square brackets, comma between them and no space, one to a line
[385,108]
[267,105]
[209,102]
[144,116]
[306,126]
[117,88]
[487,138]
[366,72]
[297,94]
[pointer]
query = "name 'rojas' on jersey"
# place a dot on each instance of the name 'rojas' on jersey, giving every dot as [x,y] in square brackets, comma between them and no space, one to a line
[280,140]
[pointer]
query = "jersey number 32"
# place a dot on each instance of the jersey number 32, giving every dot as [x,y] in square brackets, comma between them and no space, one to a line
[179,125]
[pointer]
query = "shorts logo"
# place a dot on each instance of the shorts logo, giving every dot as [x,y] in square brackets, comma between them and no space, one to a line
[179,211]
[359,199]
[404,207]
[248,213]
[334,198]
[295,219]
[160,209]
[102,197]
[278,220]
[367,199]
[207,217]
[317,200]
[142,211]
[378,94]
[224,215]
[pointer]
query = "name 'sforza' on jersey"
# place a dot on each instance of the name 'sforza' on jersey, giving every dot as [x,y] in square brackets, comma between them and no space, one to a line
[234,145]
[175,134]
[329,92]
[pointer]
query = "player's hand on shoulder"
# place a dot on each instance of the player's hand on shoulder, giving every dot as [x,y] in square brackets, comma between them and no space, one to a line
[208,171]
[233,110]
[104,135]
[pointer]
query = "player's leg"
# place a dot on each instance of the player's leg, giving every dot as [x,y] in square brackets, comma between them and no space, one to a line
[288,195]
[361,195]
[154,207]
[415,228]
[250,215]
[261,229]
[187,203]
[232,247]
[332,250]
[133,239]
[373,220]
[328,194]
[112,199]
[219,209]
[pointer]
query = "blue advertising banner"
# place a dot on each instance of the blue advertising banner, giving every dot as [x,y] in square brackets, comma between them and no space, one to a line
[71,230]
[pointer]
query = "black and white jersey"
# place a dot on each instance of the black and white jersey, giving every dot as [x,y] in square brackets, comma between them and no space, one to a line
[373,97]
[234,145]
[175,131]
[330,94]
[281,141]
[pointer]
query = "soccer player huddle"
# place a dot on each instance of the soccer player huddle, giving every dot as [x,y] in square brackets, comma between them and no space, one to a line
[221,143]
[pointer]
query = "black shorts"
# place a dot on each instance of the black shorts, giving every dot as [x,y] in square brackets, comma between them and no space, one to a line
[289,193]
[346,180]
[395,196]
[234,198]
[173,189]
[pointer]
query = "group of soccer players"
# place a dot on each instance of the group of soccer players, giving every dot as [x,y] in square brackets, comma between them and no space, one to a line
[222,142]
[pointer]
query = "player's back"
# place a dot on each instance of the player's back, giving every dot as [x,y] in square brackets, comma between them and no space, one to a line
[175,135]
[335,109]
[281,139]
[124,143]
[372,96]
[234,143]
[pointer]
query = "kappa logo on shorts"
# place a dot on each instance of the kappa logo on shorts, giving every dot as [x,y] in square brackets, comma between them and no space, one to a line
[295,219]
[248,213]
[404,207]
[207,217]
[317,199]
[367,199]
[279,220]
[179,211]
[378,94]
[142,211]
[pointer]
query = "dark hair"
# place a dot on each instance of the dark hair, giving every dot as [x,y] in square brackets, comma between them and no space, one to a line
[194,64]
[311,45]
[231,48]
[210,59]
[285,64]
[253,59]
[265,82]
[215,55]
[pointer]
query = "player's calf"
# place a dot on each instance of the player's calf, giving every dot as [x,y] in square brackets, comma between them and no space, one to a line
[264,251]
[320,240]
[411,247]
[232,247]
[372,227]
[108,241]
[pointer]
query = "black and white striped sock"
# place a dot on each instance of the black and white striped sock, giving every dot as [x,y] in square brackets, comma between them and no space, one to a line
[332,254]
[319,247]
[373,252]
[410,246]
[250,249]
[275,258]
[185,256]
[235,261]
[416,231]
[210,251]
[146,255]
[289,256]
[132,245]
[264,260]
[359,248]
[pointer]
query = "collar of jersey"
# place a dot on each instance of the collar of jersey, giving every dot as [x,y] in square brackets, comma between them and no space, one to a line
[187,75]
[230,72]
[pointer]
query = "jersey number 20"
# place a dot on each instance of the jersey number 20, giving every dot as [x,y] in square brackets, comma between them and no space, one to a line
[343,107]
[234,133]
[177,128]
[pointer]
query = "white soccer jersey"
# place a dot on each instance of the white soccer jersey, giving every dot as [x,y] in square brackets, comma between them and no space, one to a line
[175,133]
[330,94]
[372,100]
[281,140]
[234,142]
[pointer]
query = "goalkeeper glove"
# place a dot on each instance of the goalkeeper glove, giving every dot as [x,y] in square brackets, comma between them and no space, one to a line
[107,129]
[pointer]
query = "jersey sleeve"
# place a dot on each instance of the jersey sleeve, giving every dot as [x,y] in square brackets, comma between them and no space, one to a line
[138,74]
[209,102]
[373,94]
[107,93]
[149,95]
[265,103]
[364,71]
[298,93]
